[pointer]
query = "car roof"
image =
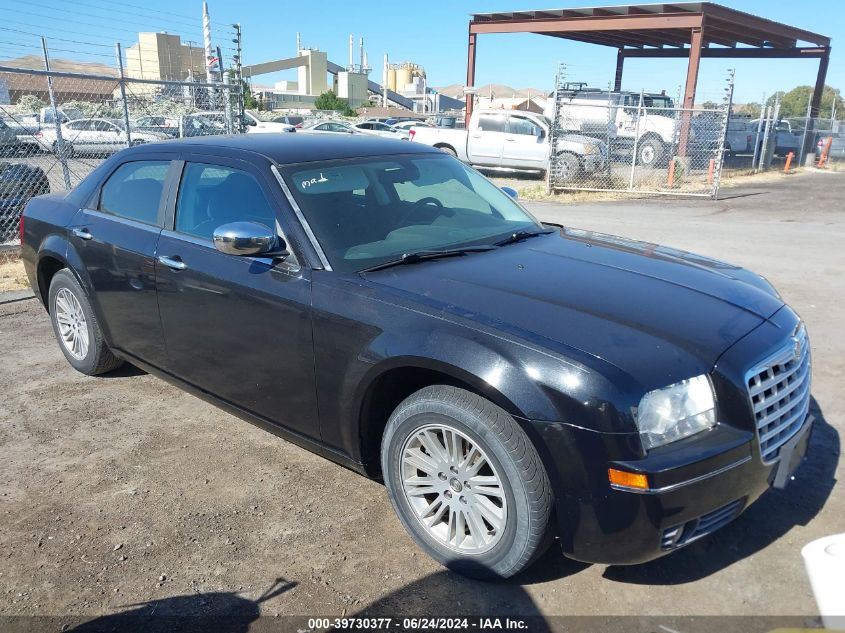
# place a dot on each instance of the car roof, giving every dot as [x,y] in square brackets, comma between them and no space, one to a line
[284,148]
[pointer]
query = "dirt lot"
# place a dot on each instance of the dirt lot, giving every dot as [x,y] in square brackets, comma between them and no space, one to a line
[122,490]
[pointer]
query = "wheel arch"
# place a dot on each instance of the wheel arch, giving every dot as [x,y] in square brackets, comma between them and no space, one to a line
[395,379]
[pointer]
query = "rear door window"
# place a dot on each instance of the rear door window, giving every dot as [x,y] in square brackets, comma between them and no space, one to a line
[492,123]
[134,191]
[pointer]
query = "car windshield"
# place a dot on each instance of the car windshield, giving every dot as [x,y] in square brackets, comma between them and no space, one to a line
[367,211]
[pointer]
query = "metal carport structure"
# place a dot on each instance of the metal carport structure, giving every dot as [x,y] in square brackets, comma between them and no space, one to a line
[664,30]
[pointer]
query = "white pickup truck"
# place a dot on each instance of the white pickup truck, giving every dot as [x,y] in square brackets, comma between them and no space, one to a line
[515,141]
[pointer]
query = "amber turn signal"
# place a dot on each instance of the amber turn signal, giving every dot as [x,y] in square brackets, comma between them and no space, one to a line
[629,480]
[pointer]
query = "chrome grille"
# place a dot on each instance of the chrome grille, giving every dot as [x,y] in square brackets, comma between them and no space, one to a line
[779,389]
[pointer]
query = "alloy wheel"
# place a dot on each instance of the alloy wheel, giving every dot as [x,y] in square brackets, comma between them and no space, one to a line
[73,327]
[453,489]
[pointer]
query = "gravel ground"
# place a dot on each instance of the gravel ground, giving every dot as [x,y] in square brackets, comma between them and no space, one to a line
[122,490]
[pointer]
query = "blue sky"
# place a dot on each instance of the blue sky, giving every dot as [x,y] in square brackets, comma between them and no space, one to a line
[432,34]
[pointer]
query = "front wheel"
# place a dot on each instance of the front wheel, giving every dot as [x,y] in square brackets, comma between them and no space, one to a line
[76,327]
[466,482]
[448,150]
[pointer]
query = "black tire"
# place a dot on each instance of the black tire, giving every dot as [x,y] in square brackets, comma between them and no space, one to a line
[99,358]
[650,152]
[511,454]
[568,167]
[448,150]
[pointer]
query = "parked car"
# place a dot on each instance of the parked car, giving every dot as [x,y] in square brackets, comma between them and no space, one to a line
[388,307]
[19,183]
[407,125]
[837,145]
[27,127]
[327,126]
[499,139]
[202,124]
[8,140]
[255,125]
[295,121]
[94,136]
[780,135]
[740,137]
[160,124]
[376,128]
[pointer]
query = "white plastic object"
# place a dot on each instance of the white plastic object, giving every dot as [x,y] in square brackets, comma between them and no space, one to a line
[824,560]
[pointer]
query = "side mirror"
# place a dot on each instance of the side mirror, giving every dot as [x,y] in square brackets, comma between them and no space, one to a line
[248,238]
[541,134]
[511,192]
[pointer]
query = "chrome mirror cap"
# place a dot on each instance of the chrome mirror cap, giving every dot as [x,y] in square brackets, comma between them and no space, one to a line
[511,192]
[245,238]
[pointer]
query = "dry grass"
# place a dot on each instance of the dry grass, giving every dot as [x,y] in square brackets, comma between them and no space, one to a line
[12,275]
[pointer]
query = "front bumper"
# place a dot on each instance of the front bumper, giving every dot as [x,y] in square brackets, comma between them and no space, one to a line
[694,489]
[695,485]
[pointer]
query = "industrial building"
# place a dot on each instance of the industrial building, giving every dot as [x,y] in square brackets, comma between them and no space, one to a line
[163,56]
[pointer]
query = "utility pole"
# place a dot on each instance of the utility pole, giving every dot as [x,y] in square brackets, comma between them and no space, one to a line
[239,78]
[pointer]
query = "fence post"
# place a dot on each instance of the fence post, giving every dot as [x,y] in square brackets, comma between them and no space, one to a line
[227,104]
[720,155]
[60,145]
[636,142]
[122,84]
[806,128]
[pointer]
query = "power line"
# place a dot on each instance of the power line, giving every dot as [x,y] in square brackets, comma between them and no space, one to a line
[57,39]
[110,8]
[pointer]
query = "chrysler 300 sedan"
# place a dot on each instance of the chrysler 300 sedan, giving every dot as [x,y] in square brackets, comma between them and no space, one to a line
[384,305]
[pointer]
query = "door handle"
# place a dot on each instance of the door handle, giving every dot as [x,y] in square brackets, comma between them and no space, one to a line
[82,234]
[174,262]
[510,139]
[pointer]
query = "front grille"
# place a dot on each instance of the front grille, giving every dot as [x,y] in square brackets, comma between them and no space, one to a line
[680,535]
[779,389]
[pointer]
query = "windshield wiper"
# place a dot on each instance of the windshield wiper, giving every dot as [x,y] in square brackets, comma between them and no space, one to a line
[418,256]
[521,235]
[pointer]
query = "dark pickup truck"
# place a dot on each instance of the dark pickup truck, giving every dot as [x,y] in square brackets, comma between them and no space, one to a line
[389,308]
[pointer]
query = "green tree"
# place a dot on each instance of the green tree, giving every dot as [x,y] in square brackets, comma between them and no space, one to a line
[794,103]
[330,101]
[30,103]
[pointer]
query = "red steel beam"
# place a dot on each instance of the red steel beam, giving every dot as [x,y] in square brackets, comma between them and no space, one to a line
[590,24]
[731,53]
[696,41]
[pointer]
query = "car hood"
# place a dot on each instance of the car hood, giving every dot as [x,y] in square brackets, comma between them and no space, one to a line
[656,313]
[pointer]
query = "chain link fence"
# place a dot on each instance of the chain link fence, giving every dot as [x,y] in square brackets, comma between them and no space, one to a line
[639,143]
[59,126]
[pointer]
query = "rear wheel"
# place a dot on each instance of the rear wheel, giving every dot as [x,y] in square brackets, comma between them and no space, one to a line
[76,328]
[650,152]
[466,482]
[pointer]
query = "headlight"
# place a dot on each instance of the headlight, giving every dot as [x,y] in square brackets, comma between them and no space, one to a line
[675,412]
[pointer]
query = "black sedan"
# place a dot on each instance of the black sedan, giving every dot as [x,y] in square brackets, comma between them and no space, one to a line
[384,305]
